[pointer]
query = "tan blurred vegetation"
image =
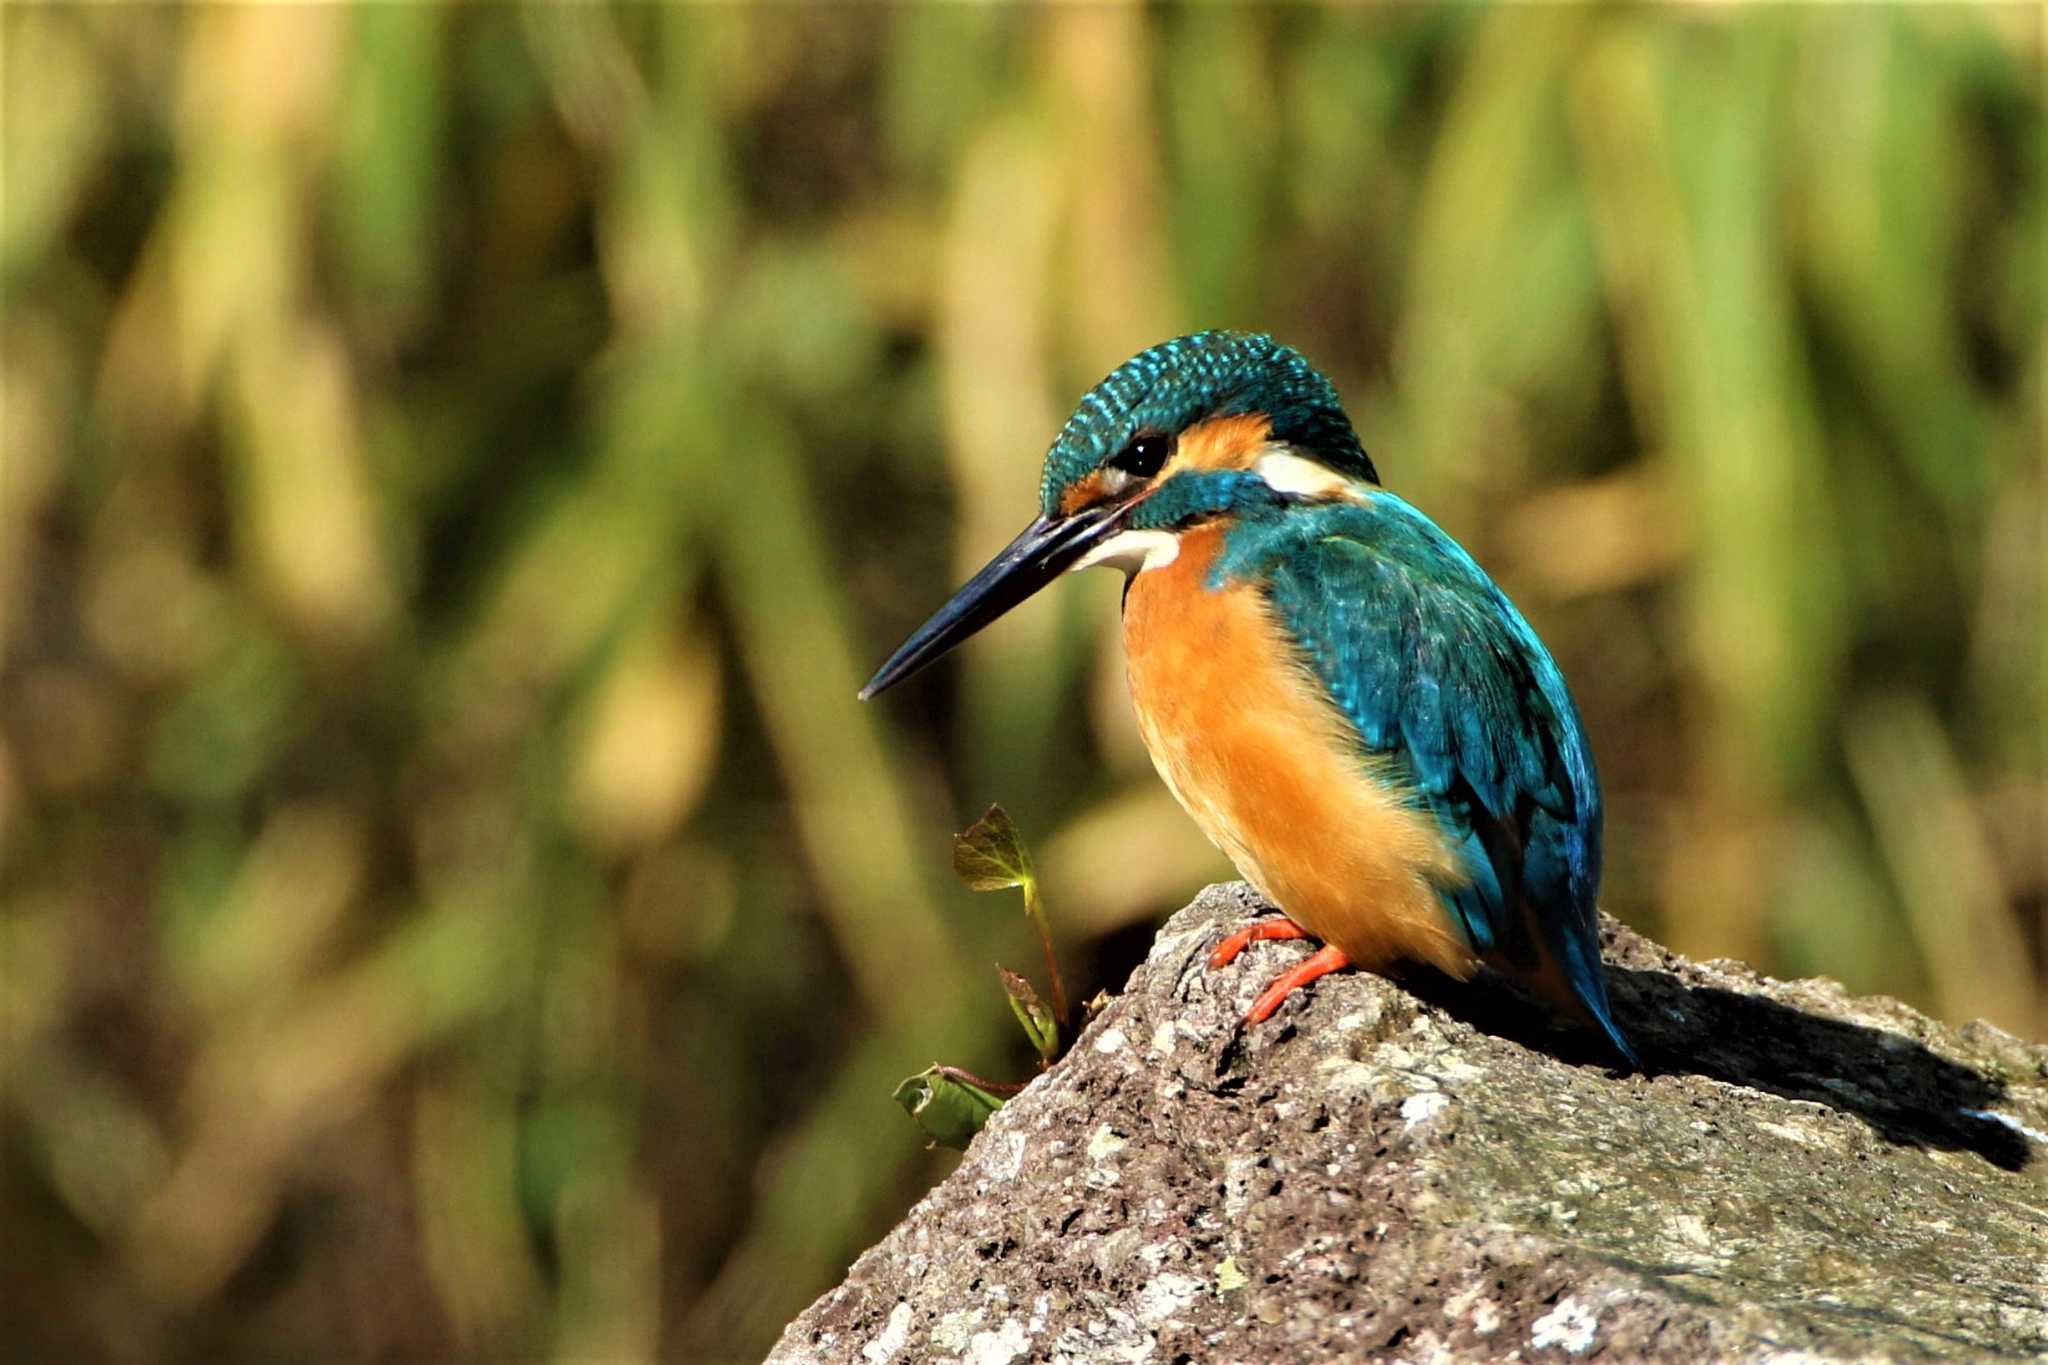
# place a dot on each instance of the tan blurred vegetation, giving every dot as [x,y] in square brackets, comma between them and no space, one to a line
[460,462]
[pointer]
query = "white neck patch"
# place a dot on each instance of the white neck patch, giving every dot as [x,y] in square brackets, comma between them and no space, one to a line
[1285,472]
[1133,551]
[1279,468]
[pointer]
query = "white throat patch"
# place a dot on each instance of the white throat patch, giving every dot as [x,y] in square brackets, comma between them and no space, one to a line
[1133,551]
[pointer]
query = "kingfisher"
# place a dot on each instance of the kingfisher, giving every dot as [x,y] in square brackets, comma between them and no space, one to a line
[1331,687]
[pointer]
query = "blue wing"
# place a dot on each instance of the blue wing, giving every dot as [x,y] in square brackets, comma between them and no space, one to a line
[1436,670]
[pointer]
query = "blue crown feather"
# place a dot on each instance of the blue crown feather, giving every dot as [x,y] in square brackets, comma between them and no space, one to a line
[1189,379]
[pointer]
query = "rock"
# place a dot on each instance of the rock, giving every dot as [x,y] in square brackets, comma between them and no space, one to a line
[1433,1172]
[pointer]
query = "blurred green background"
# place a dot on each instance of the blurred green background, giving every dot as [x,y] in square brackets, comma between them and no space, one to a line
[460,462]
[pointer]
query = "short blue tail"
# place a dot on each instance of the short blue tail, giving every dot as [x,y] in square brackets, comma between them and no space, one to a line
[1578,956]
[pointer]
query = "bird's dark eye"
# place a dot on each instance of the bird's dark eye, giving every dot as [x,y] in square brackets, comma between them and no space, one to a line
[1144,455]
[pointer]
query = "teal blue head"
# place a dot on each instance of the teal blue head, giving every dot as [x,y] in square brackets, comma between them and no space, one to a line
[1180,384]
[1198,427]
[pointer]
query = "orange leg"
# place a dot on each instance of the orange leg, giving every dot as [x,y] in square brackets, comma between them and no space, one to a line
[1276,928]
[1322,963]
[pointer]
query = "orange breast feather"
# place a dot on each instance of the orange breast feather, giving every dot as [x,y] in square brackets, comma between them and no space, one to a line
[1265,764]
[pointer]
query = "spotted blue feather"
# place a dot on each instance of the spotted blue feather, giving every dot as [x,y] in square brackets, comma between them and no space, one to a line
[1208,374]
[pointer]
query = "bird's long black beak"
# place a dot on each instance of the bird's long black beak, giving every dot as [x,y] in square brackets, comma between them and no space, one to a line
[1042,552]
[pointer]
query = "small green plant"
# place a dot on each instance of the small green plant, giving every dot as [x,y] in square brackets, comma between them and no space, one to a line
[949,1103]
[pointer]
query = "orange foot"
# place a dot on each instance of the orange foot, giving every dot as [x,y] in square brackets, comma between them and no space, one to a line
[1278,927]
[1324,961]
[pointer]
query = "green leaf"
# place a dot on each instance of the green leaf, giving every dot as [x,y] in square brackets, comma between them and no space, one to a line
[989,854]
[1039,1024]
[949,1109]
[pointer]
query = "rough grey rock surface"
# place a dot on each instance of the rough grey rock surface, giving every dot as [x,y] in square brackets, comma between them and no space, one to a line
[1380,1174]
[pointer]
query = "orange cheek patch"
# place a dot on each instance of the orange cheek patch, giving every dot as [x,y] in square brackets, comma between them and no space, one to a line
[1224,442]
[1080,493]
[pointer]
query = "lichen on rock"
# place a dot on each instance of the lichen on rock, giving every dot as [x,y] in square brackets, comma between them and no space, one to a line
[1428,1171]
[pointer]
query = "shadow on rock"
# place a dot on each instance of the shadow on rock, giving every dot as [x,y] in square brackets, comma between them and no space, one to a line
[1906,1092]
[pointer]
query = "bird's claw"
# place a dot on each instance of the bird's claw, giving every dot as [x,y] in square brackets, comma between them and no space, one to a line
[1279,927]
[1320,963]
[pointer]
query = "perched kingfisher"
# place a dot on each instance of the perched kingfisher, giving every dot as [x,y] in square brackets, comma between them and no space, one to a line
[1332,688]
